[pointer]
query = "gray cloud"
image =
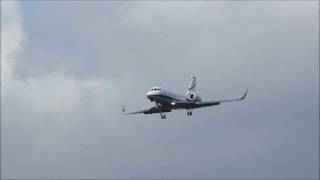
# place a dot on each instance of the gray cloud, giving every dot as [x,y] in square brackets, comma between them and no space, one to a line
[81,61]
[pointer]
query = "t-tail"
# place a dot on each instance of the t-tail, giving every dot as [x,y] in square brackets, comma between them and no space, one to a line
[192,95]
[192,85]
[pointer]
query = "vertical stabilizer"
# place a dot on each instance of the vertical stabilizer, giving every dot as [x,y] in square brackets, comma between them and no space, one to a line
[192,85]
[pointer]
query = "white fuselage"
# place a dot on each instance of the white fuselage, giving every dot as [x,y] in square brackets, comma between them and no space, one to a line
[165,98]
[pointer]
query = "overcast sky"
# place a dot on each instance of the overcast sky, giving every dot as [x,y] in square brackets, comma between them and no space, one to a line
[68,67]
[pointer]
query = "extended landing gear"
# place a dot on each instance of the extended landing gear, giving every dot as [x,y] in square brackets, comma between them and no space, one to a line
[163,116]
[157,105]
[189,113]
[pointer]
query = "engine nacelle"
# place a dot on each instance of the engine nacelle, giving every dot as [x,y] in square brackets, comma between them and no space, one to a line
[193,97]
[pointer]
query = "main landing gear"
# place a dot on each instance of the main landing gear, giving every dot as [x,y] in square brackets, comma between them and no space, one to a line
[163,116]
[189,113]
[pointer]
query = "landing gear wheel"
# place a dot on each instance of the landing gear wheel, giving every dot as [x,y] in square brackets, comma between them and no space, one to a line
[189,113]
[163,116]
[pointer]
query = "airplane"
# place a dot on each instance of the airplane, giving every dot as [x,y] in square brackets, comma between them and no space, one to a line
[166,101]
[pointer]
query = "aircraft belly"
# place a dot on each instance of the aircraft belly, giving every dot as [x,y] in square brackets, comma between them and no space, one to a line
[162,100]
[165,102]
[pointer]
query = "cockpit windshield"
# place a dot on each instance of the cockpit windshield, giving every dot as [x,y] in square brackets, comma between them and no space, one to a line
[156,89]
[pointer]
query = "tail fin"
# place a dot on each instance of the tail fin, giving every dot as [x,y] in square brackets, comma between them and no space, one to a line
[192,85]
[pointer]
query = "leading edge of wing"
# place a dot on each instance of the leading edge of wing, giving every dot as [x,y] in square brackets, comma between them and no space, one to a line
[146,111]
[211,103]
[135,112]
[208,103]
[240,99]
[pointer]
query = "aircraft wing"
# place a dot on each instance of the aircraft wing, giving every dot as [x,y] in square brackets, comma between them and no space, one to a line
[191,105]
[147,111]
[230,100]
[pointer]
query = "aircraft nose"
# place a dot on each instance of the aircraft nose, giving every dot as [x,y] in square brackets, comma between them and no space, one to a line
[148,93]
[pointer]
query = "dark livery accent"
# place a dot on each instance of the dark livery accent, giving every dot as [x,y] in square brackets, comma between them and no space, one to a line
[155,110]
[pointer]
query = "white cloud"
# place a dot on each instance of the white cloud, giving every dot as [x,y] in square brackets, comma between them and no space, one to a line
[50,92]
[11,37]
[68,115]
[29,106]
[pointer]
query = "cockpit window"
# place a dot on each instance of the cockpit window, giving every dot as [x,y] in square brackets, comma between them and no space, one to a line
[155,89]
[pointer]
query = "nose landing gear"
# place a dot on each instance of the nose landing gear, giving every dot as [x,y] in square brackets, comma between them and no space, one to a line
[163,116]
[157,105]
[189,113]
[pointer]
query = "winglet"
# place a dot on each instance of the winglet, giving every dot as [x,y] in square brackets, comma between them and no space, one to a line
[123,110]
[244,95]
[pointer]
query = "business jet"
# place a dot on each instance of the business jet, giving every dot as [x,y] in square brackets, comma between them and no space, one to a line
[166,101]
